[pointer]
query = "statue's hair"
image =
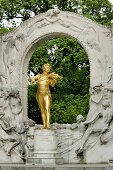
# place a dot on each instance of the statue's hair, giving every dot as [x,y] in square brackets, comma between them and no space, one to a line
[43,67]
[80,117]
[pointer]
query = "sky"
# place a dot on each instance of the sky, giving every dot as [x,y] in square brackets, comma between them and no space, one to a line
[111,1]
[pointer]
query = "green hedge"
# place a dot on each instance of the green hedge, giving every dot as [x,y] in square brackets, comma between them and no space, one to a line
[64,109]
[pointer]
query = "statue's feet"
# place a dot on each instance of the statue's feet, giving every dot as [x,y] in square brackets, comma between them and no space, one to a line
[9,152]
[103,139]
[45,127]
[79,152]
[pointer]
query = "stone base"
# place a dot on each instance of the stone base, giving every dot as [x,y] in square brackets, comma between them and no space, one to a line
[45,148]
[57,167]
[45,158]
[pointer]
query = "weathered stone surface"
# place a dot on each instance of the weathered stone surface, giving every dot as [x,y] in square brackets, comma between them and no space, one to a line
[45,148]
[45,140]
[57,167]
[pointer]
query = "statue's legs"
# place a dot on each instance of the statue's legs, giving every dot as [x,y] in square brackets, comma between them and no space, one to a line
[11,147]
[14,142]
[41,103]
[88,132]
[47,101]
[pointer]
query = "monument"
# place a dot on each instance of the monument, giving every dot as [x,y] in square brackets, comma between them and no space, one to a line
[45,141]
[87,141]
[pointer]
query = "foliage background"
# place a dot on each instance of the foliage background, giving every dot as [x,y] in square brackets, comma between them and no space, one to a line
[70,96]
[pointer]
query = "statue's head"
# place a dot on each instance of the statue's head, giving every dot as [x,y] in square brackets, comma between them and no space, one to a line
[79,118]
[15,104]
[46,67]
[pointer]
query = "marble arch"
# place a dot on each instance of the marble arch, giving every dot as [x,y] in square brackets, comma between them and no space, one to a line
[18,46]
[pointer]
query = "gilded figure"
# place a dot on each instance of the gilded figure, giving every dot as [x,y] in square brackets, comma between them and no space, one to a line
[43,95]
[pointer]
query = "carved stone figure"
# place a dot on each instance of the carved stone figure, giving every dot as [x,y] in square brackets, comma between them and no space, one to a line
[21,127]
[11,51]
[78,131]
[52,15]
[3,71]
[43,94]
[15,130]
[110,76]
[96,93]
[10,62]
[100,123]
[92,41]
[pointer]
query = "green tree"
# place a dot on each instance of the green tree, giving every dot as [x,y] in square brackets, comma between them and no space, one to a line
[68,59]
[4,30]
[70,96]
[99,10]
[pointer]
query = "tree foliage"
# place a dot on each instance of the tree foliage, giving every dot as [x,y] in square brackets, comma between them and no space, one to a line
[68,59]
[99,10]
[70,96]
[64,109]
[4,30]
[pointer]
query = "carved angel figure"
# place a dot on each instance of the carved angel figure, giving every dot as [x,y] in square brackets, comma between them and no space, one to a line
[99,124]
[15,131]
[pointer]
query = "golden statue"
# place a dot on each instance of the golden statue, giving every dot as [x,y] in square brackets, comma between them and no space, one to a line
[43,95]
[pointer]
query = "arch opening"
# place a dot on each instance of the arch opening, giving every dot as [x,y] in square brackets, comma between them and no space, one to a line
[31,50]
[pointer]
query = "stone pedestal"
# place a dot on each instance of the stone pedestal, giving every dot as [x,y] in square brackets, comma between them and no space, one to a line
[45,148]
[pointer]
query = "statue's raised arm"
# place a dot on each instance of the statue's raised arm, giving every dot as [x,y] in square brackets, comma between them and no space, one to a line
[34,79]
[53,75]
[53,78]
